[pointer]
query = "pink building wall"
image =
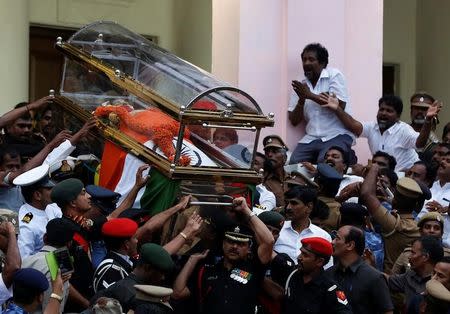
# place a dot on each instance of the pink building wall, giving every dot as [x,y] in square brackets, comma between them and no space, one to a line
[257,46]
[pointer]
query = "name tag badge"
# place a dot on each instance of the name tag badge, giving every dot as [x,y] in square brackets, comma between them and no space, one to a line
[240,275]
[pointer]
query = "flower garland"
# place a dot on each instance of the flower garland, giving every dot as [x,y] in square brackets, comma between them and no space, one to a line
[155,124]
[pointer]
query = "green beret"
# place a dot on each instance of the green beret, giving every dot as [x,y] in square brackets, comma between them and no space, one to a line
[156,256]
[272,218]
[66,191]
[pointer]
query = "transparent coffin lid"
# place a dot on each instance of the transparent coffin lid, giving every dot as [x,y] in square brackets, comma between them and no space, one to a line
[167,75]
[205,146]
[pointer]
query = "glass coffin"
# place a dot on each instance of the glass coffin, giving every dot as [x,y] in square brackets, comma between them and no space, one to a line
[159,107]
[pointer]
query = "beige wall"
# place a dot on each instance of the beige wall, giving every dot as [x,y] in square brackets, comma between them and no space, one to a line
[193,28]
[182,26]
[433,53]
[399,45]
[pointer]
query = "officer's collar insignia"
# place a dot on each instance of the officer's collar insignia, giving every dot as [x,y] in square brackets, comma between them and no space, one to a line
[341,298]
[27,218]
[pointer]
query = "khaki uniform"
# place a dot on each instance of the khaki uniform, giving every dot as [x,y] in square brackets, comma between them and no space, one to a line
[277,186]
[332,222]
[398,231]
[401,265]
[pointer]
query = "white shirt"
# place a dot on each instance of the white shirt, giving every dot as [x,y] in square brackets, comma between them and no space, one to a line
[31,234]
[399,141]
[53,211]
[5,293]
[289,241]
[267,200]
[322,123]
[349,179]
[438,193]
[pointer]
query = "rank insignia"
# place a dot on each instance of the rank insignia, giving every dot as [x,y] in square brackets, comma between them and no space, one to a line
[341,297]
[27,218]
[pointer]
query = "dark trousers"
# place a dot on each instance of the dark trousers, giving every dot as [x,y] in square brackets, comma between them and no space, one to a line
[314,152]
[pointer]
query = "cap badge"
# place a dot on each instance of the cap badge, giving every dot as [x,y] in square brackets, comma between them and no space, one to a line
[421,99]
[269,140]
[237,230]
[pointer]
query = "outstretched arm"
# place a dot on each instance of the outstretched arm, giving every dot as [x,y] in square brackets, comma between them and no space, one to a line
[431,114]
[15,114]
[263,235]
[13,261]
[128,202]
[347,120]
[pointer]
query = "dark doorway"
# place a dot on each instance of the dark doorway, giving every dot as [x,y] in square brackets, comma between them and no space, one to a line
[46,63]
[391,79]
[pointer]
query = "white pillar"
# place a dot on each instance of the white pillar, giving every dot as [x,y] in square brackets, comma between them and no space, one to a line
[14,53]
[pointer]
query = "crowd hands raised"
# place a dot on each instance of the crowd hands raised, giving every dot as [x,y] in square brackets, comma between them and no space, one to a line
[323,233]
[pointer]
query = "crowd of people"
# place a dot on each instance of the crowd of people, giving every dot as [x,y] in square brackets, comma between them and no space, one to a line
[323,232]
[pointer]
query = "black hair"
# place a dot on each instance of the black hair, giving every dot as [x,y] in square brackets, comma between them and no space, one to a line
[433,247]
[392,162]
[26,115]
[356,235]
[8,150]
[27,192]
[431,171]
[114,244]
[302,193]
[320,211]
[392,101]
[445,259]
[23,294]
[321,52]
[422,94]
[390,174]
[344,154]
[259,154]
[445,130]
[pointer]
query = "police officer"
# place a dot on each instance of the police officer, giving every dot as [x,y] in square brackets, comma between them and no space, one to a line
[329,181]
[120,239]
[308,289]
[399,229]
[36,188]
[275,175]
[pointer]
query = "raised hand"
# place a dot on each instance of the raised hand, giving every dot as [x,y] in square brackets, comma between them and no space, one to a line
[301,89]
[433,110]
[141,180]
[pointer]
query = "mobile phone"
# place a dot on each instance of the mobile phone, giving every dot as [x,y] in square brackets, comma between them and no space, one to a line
[59,259]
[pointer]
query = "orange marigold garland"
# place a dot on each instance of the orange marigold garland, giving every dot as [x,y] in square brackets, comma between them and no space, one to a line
[158,126]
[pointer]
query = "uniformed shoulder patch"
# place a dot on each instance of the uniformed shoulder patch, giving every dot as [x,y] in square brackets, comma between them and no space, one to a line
[27,218]
[341,298]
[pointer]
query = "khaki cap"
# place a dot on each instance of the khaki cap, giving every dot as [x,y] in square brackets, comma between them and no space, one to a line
[437,290]
[431,216]
[409,188]
[155,294]
[274,141]
[421,102]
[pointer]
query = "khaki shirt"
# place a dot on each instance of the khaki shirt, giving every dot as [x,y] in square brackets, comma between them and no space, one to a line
[332,222]
[277,186]
[398,232]
[401,265]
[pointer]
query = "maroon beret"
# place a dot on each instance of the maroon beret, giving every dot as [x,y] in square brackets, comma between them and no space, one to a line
[318,246]
[119,228]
